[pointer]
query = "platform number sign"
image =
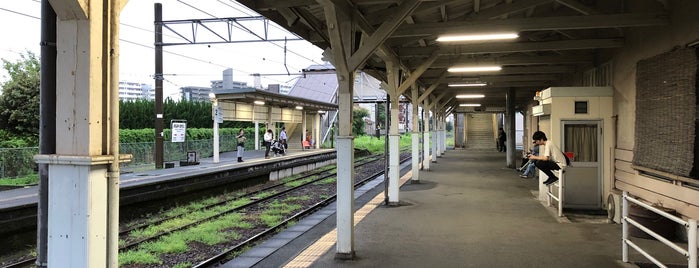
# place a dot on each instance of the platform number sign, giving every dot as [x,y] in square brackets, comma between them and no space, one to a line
[218,114]
[179,131]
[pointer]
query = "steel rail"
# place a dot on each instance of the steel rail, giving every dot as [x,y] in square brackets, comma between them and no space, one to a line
[223,255]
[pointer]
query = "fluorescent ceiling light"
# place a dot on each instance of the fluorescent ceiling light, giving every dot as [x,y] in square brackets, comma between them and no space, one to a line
[468,85]
[470,105]
[474,69]
[470,96]
[477,37]
[259,102]
[299,107]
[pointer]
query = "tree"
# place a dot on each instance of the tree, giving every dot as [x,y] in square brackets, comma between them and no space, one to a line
[381,117]
[358,115]
[449,126]
[19,100]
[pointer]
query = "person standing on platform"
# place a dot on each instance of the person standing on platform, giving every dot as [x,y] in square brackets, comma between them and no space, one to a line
[501,140]
[241,144]
[550,158]
[283,139]
[268,138]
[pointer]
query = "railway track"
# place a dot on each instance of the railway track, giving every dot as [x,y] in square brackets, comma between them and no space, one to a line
[251,203]
[225,255]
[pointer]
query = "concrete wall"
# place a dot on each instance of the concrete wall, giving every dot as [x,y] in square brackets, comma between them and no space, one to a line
[283,173]
[642,43]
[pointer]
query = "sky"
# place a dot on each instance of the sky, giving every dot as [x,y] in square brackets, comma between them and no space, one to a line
[184,65]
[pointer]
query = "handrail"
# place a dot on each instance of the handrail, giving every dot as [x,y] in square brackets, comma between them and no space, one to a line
[331,124]
[690,225]
[561,192]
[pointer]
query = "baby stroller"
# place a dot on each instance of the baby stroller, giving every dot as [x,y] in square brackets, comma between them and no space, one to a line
[277,148]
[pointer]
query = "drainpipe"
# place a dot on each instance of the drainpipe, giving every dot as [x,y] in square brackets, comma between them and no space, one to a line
[47,130]
[113,173]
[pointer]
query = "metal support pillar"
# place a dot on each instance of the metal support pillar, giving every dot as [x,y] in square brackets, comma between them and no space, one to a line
[158,154]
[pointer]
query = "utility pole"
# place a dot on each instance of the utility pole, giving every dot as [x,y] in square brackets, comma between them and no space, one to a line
[158,86]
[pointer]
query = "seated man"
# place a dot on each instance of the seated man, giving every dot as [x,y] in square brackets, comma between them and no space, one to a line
[550,158]
[529,167]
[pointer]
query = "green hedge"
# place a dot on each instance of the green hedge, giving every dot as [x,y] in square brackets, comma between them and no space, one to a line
[148,134]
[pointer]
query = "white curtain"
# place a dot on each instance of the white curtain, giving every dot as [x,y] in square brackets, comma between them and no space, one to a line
[581,140]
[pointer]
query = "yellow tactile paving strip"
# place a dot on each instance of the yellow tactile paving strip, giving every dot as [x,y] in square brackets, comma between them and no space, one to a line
[320,247]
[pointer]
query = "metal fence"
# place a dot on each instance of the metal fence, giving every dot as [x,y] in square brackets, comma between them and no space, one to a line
[16,162]
[690,225]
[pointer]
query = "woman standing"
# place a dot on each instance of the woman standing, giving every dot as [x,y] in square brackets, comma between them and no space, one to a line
[282,140]
[241,144]
[268,138]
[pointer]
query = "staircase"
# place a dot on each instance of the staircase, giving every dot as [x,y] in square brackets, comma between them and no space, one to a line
[295,134]
[480,132]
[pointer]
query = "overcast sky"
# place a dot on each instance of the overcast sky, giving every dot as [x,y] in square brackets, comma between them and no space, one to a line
[187,65]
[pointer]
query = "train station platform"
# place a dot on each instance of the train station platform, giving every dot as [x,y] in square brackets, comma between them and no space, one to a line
[141,176]
[469,210]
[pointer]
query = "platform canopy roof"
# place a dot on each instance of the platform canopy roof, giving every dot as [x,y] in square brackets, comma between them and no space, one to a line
[252,104]
[558,39]
[250,95]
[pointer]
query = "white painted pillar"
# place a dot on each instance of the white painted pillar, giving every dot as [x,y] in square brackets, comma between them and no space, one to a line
[257,135]
[77,200]
[394,154]
[393,76]
[426,136]
[415,141]
[438,135]
[270,123]
[216,143]
[345,168]
[304,128]
[345,195]
[444,134]
[214,106]
[435,133]
[316,131]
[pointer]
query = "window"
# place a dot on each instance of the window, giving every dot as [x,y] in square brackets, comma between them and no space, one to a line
[582,140]
[581,107]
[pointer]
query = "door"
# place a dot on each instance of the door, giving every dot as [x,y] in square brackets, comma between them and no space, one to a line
[583,179]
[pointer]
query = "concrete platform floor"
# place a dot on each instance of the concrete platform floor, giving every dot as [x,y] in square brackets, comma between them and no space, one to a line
[469,210]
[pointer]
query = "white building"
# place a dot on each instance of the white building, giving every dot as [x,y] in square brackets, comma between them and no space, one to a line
[133,90]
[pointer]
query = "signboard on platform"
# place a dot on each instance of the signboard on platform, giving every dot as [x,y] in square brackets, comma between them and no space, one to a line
[178,131]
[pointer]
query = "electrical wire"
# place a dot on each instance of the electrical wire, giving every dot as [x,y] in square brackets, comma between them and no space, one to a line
[198,59]
[20,13]
[252,15]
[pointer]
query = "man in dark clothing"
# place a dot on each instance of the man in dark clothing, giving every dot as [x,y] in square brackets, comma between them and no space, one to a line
[501,140]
